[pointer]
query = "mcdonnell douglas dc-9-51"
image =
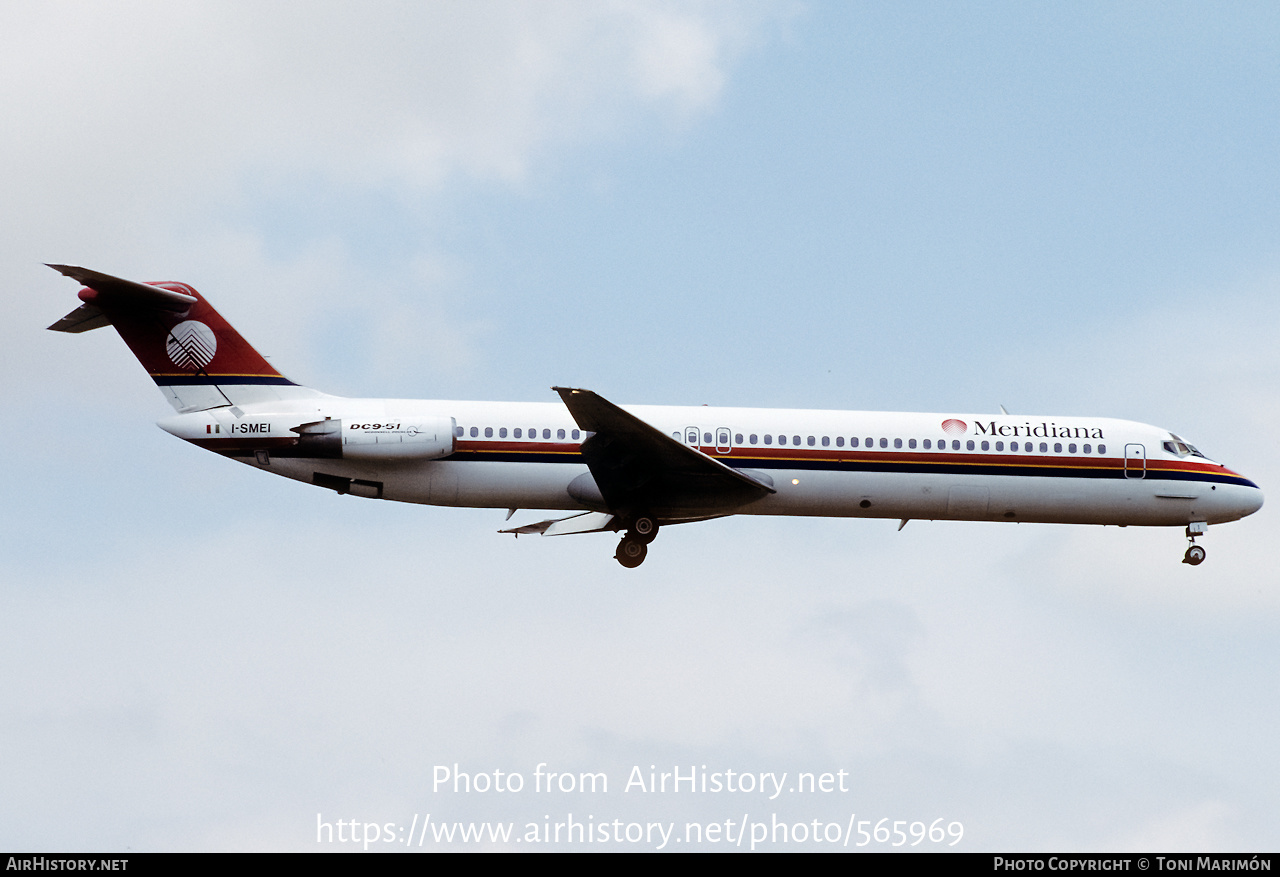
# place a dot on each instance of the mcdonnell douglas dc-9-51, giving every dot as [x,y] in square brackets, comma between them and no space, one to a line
[637,468]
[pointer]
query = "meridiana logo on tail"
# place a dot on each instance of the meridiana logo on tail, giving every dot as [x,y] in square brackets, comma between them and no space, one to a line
[191,345]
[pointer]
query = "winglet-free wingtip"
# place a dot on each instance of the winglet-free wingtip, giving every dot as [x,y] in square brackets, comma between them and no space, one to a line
[567,393]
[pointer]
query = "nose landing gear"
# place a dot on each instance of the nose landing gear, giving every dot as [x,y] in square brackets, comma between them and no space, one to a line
[1195,554]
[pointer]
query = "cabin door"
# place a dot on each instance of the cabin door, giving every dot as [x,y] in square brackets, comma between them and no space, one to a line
[1135,461]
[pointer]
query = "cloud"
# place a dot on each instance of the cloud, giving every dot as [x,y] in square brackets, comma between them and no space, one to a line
[147,139]
[201,656]
[162,99]
[1203,827]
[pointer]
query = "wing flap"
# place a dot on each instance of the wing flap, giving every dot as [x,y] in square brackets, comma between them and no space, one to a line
[586,522]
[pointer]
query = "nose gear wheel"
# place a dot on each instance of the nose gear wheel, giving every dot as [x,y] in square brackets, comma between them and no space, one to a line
[1195,554]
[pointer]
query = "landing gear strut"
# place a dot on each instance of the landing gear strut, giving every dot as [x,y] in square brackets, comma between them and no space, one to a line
[1195,554]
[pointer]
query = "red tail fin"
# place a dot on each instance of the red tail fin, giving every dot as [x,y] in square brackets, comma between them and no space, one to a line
[190,351]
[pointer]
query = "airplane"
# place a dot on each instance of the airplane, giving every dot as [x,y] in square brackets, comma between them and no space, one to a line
[637,468]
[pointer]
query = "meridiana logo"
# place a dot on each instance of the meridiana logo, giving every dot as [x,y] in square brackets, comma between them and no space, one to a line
[191,345]
[954,427]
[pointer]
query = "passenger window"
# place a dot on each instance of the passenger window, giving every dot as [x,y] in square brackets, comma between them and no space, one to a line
[546,433]
[475,431]
[812,441]
[1071,448]
[986,446]
[871,443]
[502,433]
[839,441]
[753,438]
[884,443]
[676,436]
[955,444]
[1088,449]
[826,441]
[1044,447]
[737,439]
[458,431]
[897,443]
[559,433]
[969,445]
[999,446]
[1102,449]
[488,432]
[927,444]
[795,440]
[911,443]
[768,439]
[853,442]
[575,435]
[516,433]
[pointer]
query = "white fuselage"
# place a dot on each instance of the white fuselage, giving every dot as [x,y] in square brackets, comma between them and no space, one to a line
[838,463]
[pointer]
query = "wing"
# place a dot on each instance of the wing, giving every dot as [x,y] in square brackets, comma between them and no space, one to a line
[640,468]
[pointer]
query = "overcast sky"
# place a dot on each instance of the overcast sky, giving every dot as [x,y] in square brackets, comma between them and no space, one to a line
[1067,209]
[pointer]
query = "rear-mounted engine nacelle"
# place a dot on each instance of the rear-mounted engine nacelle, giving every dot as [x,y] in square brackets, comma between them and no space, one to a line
[420,438]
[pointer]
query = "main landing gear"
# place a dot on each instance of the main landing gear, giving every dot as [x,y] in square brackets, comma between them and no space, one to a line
[634,546]
[1195,554]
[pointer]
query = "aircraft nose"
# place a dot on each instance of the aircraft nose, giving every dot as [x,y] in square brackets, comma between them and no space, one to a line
[1251,501]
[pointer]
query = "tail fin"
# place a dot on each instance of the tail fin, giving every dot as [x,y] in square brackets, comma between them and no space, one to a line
[196,358]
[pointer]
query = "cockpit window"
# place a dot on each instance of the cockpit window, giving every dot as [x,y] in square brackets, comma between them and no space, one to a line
[1182,449]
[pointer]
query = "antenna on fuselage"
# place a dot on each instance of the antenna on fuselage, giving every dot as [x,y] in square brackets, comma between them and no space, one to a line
[1004,410]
